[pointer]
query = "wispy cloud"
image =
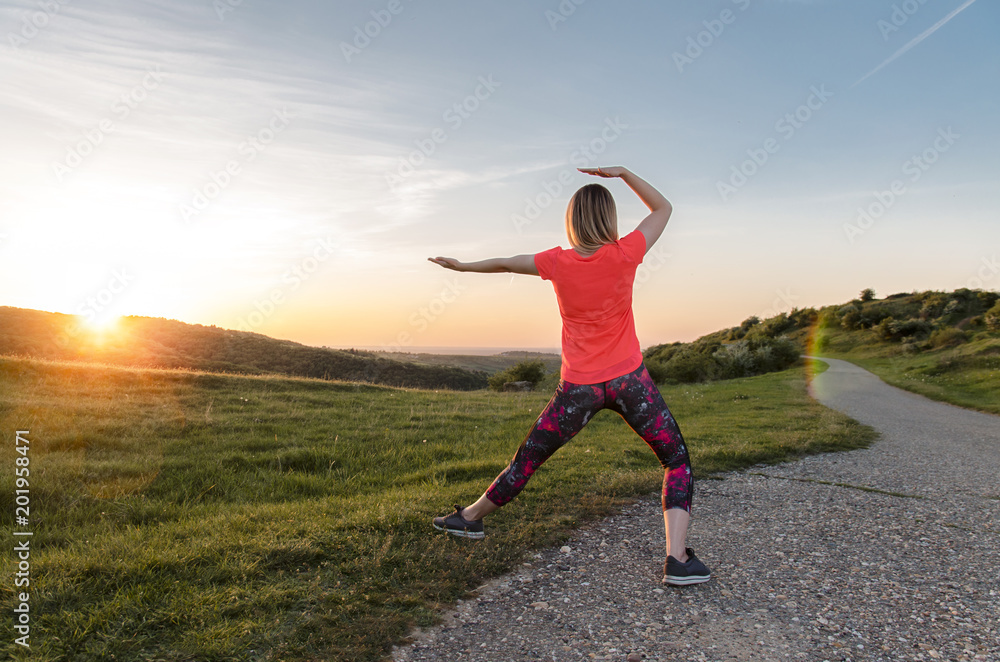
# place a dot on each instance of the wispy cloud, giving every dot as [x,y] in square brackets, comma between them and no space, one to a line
[916,40]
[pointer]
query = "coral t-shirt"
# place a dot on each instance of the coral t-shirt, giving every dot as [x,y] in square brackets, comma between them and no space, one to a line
[595,302]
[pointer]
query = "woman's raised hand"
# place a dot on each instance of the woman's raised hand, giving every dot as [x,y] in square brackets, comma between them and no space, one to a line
[611,171]
[447,262]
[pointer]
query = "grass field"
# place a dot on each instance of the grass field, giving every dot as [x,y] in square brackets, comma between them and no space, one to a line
[192,516]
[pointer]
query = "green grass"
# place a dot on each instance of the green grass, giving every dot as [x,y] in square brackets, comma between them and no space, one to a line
[192,516]
[967,375]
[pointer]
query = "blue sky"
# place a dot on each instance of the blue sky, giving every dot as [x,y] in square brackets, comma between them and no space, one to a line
[229,163]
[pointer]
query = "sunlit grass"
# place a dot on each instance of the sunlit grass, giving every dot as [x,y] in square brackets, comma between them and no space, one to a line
[183,515]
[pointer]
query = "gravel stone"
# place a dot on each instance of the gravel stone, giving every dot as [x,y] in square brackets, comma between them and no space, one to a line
[882,554]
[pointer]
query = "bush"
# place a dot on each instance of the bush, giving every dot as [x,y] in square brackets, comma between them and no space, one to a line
[804,317]
[851,320]
[849,317]
[775,326]
[736,360]
[949,336]
[871,318]
[756,356]
[662,353]
[992,317]
[828,319]
[657,370]
[954,306]
[867,294]
[525,371]
[987,299]
[884,329]
[690,366]
[933,304]
[893,329]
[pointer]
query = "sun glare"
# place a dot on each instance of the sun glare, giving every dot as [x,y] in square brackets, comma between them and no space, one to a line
[102,327]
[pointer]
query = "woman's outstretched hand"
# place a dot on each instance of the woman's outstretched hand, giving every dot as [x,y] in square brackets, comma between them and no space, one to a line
[447,263]
[611,171]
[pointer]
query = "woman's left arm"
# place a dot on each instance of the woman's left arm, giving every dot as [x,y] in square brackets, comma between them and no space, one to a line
[518,264]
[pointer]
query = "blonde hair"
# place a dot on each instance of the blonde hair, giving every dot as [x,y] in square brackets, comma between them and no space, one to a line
[591,218]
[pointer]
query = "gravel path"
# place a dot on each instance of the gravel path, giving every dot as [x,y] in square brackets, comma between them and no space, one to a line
[887,553]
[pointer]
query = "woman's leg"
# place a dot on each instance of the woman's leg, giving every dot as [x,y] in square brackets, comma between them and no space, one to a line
[569,409]
[638,400]
[480,509]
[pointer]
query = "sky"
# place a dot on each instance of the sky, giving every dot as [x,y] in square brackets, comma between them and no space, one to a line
[287,168]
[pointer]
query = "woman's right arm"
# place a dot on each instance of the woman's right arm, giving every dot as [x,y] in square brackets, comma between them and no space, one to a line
[659,207]
[518,264]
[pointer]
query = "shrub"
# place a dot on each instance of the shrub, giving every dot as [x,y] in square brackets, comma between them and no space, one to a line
[786,353]
[933,304]
[804,317]
[850,317]
[893,329]
[691,366]
[743,329]
[949,336]
[987,299]
[525,371]
[657,370]
[884,329]
[871,318]
[992,317]
[662,353]
[867,294]
[828,319]
[756,356]
[736,360]
[851,320]
[775,326]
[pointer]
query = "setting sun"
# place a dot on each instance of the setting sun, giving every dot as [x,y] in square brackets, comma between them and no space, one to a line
[100,328]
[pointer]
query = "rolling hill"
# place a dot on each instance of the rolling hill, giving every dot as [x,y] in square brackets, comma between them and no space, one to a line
[155,342]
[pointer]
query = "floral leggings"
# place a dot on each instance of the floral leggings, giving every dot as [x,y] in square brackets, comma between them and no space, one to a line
[635,397]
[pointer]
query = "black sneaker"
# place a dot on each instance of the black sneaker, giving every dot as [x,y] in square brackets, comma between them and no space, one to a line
[682,574]
[457,525]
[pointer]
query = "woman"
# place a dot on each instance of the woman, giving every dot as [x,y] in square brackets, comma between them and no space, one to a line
[601,360]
